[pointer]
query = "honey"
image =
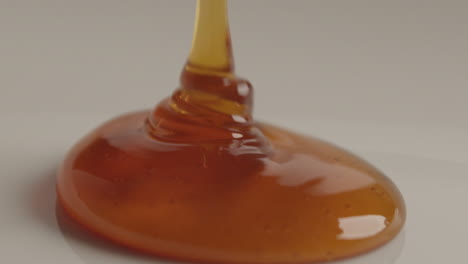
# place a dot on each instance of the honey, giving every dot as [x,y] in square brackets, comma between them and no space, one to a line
[196,179]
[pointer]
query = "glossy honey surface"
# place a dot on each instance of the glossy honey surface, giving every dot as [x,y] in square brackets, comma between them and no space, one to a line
[196,179]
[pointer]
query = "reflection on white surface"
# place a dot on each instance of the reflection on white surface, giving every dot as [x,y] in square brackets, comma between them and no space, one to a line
[360,227]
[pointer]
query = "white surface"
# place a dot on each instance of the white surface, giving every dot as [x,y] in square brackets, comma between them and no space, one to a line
[387,80]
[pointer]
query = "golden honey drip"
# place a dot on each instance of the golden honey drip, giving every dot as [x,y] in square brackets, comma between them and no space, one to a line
[211,47]
[197,180]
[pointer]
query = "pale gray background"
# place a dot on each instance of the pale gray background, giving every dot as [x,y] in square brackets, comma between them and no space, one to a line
[387,79]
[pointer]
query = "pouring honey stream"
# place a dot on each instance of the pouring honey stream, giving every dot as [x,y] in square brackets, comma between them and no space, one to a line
[197,179]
